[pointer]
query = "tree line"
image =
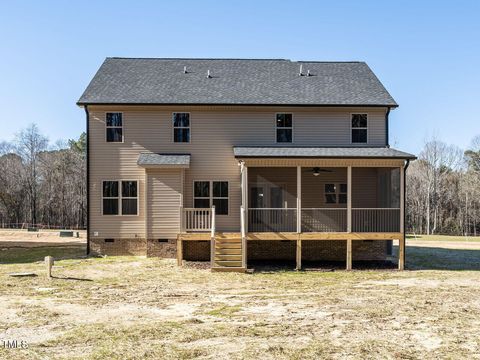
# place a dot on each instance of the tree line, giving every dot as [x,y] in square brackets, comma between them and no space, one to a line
[443,190]
[43,184]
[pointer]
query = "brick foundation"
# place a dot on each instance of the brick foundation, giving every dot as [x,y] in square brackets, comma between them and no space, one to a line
[162,249]
[119,247]
[196,250]
[135,247]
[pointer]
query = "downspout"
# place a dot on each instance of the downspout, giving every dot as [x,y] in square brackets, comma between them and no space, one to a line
[386,127]
[404,207]
[87,114]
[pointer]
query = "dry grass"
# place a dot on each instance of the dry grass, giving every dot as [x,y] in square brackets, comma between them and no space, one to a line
[132,308]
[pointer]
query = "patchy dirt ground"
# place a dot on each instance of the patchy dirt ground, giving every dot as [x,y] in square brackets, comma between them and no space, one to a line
[132,308]
[22,238]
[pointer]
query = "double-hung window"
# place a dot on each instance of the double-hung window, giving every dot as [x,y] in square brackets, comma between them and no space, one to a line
[208,193]
[114,127]
[181,127]
[284,123]
[120,197]
[359,128]
[335,193]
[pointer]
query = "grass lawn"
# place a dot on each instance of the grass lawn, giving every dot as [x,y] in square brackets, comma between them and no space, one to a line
[133,308]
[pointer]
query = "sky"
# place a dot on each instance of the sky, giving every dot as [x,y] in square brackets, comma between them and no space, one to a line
[426,53]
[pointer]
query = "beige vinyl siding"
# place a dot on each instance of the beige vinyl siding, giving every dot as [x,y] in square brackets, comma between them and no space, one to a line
[164,196]
[214,132]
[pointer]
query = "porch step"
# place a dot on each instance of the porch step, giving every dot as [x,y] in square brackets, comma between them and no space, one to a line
[228,241]
[228,263]
[228,254]
[229,269]
[229,257]
[227,246]
[222,251]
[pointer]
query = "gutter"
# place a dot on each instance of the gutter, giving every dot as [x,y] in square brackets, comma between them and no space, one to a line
[404,207]
[386,126]
[87,115]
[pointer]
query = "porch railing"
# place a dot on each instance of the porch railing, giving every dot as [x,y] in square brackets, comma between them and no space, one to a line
[324,219]
[196,219]
[375,219]
[272,220]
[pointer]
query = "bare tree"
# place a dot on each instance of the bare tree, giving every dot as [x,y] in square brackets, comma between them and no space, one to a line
[29,143]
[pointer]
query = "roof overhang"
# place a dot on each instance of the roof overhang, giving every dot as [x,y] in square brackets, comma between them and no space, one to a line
[162,161]
[289,152]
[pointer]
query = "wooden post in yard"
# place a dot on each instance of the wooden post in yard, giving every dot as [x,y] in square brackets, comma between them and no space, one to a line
[349,254]
[49,264]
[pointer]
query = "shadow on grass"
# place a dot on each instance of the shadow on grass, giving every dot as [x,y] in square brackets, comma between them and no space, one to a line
[70,278]
[321,266]
[17,255]
[431,258]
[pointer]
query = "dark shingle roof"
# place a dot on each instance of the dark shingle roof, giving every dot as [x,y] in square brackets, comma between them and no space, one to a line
[320,152]
[235,81]
[163,160]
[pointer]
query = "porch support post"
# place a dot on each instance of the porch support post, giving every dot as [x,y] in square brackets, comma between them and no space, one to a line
[179,251]
[299,254]
[349,199]
[299,199]
[349,254]
[401,241]
[349,217]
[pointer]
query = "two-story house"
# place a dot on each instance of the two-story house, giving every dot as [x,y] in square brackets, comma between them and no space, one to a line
[232,160]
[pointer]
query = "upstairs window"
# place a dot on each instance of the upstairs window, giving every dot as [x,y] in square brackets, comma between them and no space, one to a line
[335,193]
[114,127]
[120,197]
[284,128]
[181,127]
[209,193]
[359,128]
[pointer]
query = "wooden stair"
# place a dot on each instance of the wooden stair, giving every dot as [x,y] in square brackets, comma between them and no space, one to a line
[228,254]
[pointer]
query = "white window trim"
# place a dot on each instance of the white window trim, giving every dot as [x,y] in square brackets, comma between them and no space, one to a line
[211,197]
[119,197]
[359,128]
[115,127]
[292,127]
[337,193]
[181,127]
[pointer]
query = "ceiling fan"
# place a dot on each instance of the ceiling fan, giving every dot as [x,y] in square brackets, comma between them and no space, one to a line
[317,170]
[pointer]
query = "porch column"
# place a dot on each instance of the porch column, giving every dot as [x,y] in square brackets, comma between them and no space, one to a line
[299,199]
[349,199]
[349,218]
[401,241]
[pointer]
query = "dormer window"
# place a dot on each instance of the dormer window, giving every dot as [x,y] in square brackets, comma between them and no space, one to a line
[359,128]
[114,127]
[284,128]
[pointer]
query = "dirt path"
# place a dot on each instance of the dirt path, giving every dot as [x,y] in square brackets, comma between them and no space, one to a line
[467,245]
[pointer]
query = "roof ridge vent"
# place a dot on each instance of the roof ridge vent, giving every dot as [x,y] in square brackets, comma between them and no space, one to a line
[208,74]
[301,70]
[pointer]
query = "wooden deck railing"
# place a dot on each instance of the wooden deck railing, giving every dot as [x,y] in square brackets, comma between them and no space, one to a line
[376,220]
[324,220]
[196,219]
[272,220]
